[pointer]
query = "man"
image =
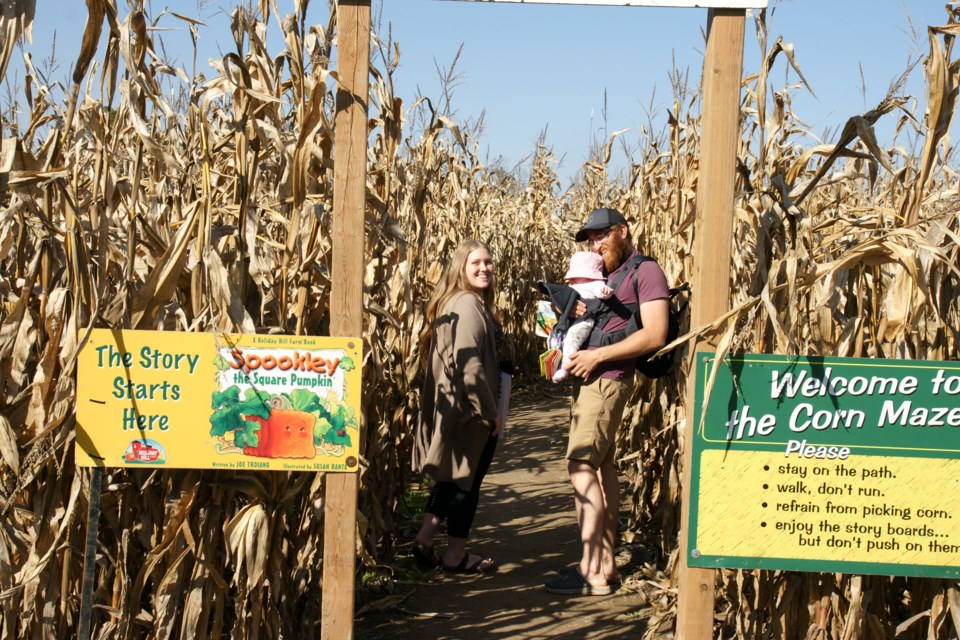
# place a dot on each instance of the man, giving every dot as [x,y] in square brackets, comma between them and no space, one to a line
[604,383]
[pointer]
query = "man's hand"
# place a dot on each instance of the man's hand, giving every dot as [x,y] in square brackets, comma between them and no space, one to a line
[576,312]
[495,426]
[582,363]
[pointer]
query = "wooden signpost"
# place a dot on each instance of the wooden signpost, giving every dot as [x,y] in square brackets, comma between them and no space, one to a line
[719,136]
[346,297]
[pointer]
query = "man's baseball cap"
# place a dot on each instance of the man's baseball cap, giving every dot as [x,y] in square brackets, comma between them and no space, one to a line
[598,220]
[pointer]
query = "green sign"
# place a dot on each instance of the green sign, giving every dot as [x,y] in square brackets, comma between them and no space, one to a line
[847,465]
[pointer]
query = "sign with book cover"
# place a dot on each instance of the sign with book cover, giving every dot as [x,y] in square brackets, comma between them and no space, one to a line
[546,320]
[218,401]
[846,465]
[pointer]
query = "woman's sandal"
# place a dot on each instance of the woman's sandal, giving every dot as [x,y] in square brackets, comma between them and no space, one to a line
[481,565]
[426,557]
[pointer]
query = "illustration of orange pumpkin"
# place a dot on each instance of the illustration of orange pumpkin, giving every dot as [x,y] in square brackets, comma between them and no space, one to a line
[287,433]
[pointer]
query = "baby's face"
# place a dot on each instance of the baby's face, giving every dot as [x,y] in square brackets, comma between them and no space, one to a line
[579,280]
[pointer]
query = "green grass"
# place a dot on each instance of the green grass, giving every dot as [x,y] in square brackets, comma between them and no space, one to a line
[413,502]
[379,580]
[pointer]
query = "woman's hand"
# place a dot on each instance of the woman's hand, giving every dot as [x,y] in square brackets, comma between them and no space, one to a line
[495,426]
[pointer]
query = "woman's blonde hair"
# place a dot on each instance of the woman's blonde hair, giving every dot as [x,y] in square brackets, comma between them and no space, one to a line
[453,280]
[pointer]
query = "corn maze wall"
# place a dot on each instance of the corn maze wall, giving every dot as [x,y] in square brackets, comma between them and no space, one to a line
[134,194]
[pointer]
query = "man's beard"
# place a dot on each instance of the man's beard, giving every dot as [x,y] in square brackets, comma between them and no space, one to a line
[615,254]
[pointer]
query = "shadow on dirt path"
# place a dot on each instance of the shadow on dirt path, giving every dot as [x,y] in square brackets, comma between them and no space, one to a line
[526,522]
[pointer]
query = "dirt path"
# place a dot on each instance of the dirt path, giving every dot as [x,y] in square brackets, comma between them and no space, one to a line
[526,522]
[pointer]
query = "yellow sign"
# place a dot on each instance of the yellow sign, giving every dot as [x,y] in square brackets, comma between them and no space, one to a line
[218,401]
[876,509]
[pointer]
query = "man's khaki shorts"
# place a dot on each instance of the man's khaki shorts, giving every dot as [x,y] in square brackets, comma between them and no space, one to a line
[595,412]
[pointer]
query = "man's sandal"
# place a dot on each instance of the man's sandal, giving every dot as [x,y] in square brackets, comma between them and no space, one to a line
[615,583]
[572,583]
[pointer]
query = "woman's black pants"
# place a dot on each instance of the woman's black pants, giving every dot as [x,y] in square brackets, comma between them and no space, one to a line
[458,507]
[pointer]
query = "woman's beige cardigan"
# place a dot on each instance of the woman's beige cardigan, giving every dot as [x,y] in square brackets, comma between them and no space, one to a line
[459,399]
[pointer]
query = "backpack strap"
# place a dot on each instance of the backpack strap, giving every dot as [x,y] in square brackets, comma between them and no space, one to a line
[614,307]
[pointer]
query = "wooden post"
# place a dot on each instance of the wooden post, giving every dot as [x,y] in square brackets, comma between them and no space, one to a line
[346,296]
[90,552]
[719,140]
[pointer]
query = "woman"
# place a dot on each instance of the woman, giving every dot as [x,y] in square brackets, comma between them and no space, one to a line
[457,431]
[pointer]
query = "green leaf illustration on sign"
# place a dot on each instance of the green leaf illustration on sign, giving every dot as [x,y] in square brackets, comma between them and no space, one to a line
[221,363]
[230,413]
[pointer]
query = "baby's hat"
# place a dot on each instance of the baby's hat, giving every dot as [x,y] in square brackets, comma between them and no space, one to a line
[585,264]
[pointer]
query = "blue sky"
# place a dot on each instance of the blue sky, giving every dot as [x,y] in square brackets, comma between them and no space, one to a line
[580,72]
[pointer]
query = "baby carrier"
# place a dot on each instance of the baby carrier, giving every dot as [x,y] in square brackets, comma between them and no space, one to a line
[565,299]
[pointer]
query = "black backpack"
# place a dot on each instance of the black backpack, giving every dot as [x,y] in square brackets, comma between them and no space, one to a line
[678,301]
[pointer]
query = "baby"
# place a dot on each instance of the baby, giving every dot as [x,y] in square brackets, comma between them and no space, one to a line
[585,276]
